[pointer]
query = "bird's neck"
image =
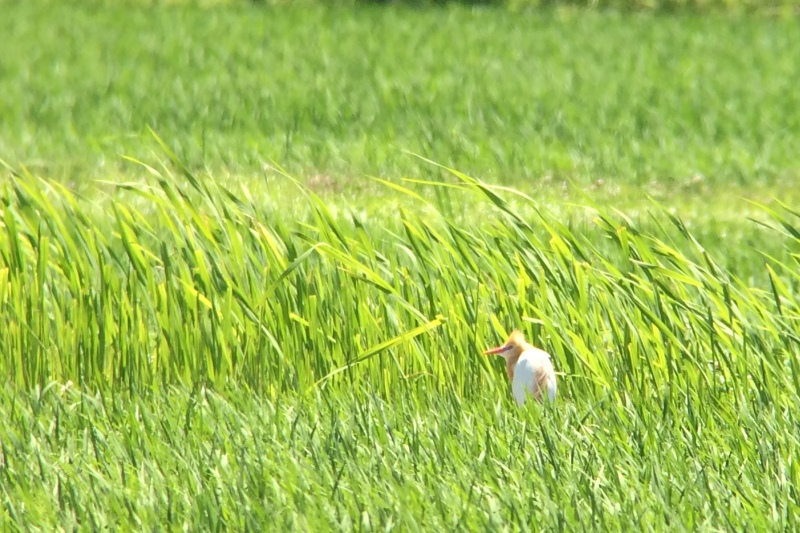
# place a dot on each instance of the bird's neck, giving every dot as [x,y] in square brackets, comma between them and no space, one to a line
[511,362]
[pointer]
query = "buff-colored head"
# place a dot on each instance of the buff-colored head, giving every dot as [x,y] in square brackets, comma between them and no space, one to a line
[511,349]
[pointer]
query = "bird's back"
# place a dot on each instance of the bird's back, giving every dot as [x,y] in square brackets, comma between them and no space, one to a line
[534,375]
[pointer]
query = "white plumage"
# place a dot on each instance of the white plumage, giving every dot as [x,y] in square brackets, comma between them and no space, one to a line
[532,373]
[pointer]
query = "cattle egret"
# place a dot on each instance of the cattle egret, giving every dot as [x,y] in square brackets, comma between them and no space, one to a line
[529,369]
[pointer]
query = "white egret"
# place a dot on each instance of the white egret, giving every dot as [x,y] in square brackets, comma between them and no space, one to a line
[529,369]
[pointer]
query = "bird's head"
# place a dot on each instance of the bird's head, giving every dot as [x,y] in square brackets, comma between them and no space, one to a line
[511,349]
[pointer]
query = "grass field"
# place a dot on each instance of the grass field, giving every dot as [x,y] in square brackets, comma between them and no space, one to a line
[341,93]
[270,315]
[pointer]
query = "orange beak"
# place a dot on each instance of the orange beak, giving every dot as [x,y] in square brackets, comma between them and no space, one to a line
[495,351]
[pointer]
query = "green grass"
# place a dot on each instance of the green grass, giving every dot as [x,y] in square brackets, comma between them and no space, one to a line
[350,389]
[414,463]
[211,343]
[639,101]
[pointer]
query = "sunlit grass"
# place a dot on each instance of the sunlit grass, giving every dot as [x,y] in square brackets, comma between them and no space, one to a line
[414,462]
[530,99]
[211,342]
[344,353]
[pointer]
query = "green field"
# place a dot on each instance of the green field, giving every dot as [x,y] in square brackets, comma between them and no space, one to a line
[250,256]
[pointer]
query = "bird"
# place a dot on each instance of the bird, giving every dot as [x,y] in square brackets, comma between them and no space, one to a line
[529,368]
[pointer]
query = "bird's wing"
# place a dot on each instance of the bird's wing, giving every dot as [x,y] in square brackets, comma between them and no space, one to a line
[533,372]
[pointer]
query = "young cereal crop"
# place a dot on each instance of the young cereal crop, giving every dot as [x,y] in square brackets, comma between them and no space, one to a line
[200,361]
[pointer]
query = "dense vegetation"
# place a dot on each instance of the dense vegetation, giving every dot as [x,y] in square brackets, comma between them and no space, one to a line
[264,313]
[699,103]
